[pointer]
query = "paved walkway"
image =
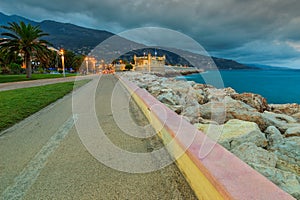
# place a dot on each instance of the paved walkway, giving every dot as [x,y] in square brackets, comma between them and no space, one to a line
[40,82]
[44,158]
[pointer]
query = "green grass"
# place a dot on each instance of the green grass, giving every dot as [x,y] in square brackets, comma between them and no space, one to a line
[16,105]
[22,77]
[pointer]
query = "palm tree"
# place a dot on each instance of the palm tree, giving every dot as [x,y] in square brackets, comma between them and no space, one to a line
[24,39]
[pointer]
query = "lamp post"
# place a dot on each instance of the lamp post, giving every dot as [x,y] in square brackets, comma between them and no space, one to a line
[63,61]
[87,65]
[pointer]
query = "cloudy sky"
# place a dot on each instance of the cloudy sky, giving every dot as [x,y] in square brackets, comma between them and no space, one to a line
[249,31]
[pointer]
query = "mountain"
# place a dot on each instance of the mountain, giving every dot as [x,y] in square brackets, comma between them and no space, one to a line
[5,19]
[72,37]
[82,40]
[268,67]
[64,35]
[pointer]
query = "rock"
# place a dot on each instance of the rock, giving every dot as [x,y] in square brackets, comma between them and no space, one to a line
[205,121]
[201,86]
[155,90]
[214,94]
[168,98]
[274,136]
[176,108]
[250,153]
[178,87]
[293,131]
[234,110]
[215,111]
[194,97]
[288,109]
[288,153]
[297,116]
[191,113]
[236,132]
[254,100]
[192,83]
[287,181]
[229,91]
[239,110]
[281,121]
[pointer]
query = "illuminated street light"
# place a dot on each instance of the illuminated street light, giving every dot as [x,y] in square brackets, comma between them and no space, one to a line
[63,61]
[87,64]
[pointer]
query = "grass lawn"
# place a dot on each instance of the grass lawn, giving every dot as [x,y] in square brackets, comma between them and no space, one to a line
[22,77]
[16,105]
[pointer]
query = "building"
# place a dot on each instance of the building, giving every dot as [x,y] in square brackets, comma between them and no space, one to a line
[149,63]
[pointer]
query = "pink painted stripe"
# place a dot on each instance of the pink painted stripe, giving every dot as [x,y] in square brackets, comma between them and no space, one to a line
[233,178]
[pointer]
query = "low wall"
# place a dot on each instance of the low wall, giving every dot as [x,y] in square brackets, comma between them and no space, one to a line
[219,174]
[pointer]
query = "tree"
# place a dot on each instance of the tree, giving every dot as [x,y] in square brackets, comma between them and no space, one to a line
[72,60]
[128,67]
[9,61]
[24,39]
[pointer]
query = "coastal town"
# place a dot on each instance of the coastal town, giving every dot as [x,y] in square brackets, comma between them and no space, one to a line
[91,114]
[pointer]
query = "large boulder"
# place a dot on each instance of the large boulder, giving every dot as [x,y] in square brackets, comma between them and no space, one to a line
[155,90]
[281,121]
[214,94]
[288,153]
[198,86]
[288,109]
[297,116]
[293,131]
[287,181]
[194,96]
[168,98]
[234,109]
[234,133]
[191,113]
[254,100]
[229,91]
[274,136]
[250,153]
[178,87]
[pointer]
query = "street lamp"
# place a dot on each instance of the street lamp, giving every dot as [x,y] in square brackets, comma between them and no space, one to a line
[63,61]
[87,65]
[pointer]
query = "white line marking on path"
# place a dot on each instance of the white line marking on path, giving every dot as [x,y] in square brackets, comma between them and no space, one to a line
[30,173]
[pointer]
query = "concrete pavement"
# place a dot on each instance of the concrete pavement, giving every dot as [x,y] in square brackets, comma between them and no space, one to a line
[44,158]
[40,82]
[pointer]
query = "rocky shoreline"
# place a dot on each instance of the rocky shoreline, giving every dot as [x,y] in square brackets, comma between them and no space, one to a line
[265,136]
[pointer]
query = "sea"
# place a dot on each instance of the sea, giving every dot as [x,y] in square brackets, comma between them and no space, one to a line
[278,86]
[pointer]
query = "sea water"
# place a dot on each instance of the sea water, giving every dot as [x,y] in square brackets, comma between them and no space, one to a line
[277,86]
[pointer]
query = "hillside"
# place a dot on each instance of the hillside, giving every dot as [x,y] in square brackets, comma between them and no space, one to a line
[72,37]
[82,40]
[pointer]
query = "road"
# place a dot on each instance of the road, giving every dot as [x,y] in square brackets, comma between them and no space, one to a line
[43,157]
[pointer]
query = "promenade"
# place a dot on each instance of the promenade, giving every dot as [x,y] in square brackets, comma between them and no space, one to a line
[43,157]
[40,82]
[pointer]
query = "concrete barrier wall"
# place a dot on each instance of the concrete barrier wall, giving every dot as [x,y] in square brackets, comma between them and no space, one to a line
[219,174]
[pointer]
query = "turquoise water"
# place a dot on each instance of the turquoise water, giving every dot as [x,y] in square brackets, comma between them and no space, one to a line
[277,86]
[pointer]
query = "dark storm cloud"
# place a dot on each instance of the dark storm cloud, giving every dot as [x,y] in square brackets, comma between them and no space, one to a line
[228,28]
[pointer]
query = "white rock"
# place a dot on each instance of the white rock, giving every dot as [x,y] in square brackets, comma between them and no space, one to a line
[293,131]
[288,153]
[274,136]
[236,132]
[250,153]
[281,121]
[285,180]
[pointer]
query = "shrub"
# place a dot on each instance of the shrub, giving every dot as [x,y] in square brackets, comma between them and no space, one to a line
[128,67]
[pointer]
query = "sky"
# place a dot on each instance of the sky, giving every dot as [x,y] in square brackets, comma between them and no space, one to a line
[264,32]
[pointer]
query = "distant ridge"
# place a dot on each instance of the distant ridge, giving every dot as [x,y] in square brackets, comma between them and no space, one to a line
[73,37]
[82,40]
[64,35]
